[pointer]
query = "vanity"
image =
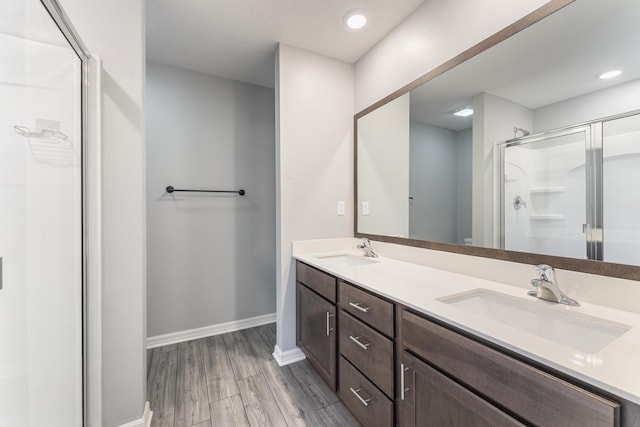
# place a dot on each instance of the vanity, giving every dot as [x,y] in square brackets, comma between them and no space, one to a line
[408,345]
[516,151]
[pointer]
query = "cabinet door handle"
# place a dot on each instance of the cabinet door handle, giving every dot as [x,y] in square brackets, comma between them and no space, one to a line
[359,306]
[357,341]
[403,387]
[357,391]
[329,328]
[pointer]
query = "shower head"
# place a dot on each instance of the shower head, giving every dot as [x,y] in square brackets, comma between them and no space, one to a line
[524,132]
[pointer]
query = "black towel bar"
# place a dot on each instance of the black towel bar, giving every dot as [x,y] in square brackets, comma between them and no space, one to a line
[170,190]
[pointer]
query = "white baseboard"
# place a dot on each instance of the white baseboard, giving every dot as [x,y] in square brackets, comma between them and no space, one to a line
[145,421]
[288,357]
[208,331]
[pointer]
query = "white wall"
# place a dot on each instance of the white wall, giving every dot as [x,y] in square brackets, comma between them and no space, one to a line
[433,183]
[493,121]
[314,164]
[436,32]
[383,169]
[210,257]
[615,100]
[114,30]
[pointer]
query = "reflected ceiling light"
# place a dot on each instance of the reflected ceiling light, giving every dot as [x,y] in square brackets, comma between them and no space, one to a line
[355,19]
[610,74]
[464,112]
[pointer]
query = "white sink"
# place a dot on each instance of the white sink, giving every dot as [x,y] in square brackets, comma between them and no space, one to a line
[346,260]
[556,323]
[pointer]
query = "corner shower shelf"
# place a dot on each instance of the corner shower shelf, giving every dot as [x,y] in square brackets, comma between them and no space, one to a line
[546,217]
[541,190]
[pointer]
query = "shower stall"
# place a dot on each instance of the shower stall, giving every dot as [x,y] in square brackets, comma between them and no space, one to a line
[571,192]
[41,217]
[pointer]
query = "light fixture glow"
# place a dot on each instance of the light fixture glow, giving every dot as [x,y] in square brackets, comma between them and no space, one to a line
[355,19]
[464,112]
[610,74]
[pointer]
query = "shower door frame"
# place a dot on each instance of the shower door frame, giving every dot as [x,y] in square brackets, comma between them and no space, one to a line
[59,17]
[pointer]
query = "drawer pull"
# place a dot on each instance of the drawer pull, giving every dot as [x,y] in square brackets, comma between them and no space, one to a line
[365,402]
[403,388]
[359,306]
[329,328]
[357,341]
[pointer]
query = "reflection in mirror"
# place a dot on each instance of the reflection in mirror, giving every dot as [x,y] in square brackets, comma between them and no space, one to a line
[426,171]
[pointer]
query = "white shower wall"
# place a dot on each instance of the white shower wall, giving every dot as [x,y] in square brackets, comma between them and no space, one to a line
[549,176]
[621,200]
[40,229]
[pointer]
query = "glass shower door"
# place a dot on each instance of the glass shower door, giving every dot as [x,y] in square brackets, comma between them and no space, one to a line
[621,199]
[40,221]
[544,194]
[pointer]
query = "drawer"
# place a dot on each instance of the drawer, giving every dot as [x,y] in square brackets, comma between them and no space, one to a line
[368,350]
[368,404]
[321,282]
[369,308]
[532,394]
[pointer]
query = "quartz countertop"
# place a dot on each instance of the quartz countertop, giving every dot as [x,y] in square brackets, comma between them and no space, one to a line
[613,368]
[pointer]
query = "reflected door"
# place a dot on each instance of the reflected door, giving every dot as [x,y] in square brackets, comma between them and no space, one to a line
[545,194]
[40,221]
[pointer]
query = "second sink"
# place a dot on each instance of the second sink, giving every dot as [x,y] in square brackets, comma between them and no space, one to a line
[578,331]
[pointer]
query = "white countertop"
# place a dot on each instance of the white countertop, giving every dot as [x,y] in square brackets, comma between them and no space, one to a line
[614,368]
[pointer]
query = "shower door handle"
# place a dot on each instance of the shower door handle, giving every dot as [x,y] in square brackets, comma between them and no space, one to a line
[0,273]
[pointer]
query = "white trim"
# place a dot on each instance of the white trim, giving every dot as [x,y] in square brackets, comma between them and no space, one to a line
[288,357]
[145,421]
[93,239]
[207,331]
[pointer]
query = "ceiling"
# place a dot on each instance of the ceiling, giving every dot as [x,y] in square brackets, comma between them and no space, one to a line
[556,59]
[236,39]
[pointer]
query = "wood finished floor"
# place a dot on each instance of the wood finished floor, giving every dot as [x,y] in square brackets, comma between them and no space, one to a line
[232,380]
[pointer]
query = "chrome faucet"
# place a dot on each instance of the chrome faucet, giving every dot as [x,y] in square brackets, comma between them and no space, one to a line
[547,287]
[365,245]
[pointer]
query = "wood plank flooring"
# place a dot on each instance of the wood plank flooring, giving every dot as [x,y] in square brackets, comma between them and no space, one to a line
[232,380]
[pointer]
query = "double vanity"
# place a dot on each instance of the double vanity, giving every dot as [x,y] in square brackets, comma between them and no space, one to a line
[409,345]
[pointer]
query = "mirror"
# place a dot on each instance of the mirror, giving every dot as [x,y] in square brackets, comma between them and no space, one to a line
[542,165]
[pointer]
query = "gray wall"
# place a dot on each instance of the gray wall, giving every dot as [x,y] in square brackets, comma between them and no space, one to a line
[211,258]
[314,146]
[114,30]
[440,183]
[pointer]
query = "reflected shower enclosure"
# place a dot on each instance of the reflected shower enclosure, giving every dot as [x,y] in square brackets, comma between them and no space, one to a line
[563,192]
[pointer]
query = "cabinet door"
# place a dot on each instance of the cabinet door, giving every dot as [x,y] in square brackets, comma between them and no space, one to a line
[316,332]
[433,400]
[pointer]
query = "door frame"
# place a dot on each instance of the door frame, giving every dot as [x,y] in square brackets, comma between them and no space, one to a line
[90,112]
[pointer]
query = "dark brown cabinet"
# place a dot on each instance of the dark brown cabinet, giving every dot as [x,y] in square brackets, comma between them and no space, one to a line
[316,329]
[433,400]
[365,331]
[518,388]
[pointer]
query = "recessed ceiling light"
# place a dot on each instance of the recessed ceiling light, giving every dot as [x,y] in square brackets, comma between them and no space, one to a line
[610,74]
[355,19]
[464,112]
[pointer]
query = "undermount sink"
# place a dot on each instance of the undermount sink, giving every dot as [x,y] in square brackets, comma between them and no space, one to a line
[346,260]
[576,330]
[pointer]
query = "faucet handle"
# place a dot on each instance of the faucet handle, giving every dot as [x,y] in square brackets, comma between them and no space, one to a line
[546,272]
[364,243]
